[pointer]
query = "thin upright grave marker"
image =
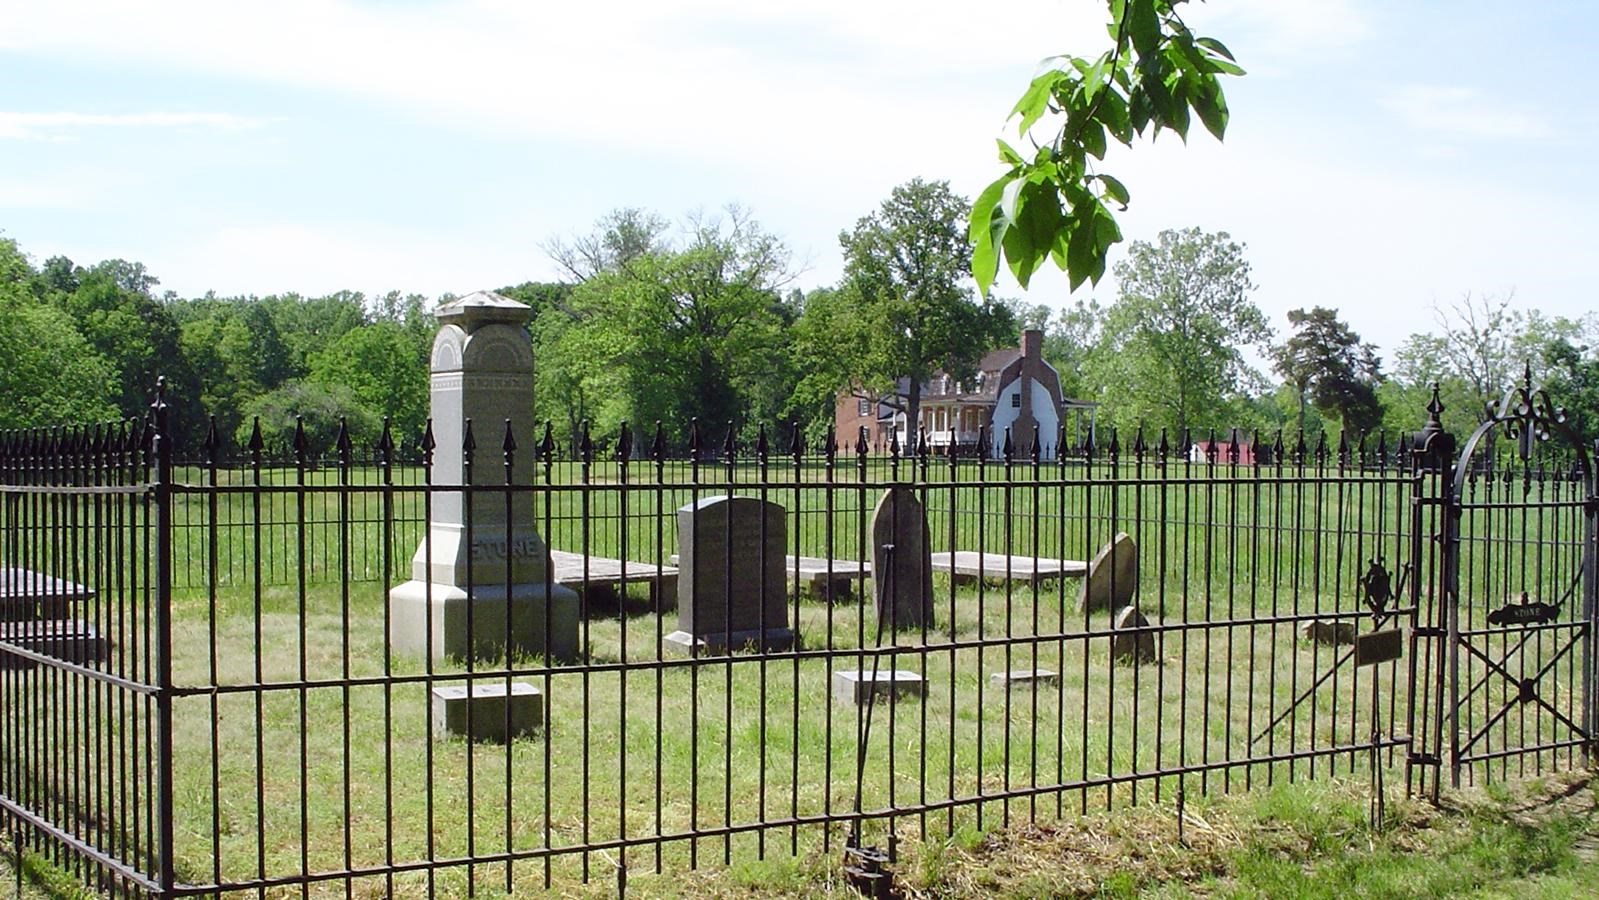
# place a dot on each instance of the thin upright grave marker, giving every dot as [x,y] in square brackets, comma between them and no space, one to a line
[902,569]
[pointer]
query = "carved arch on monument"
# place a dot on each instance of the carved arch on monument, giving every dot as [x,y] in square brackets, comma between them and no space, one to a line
[498,348]
[447,349]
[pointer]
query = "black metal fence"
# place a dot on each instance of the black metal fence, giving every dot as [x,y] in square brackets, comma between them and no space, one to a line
[205,695]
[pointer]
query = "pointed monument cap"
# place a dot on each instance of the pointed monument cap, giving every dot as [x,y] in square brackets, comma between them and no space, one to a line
[481,308]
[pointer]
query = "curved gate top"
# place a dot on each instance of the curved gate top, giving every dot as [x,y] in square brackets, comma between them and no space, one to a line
[1517,577]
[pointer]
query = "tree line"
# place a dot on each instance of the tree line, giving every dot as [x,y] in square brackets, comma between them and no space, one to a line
[700,321]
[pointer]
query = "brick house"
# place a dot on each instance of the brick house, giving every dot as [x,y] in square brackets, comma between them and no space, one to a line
[1014,388]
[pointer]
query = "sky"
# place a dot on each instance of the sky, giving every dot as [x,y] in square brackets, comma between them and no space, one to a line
[1383,158]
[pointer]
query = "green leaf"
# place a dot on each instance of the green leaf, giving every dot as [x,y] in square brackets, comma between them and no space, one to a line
[1113,112]
[1094,80]
[1143,26]
[1039,212]
[987,224]
[1218,48]
[1079,252]
[1020,254]
[1212,109]
[1223,67]
[1115,190]
[1035,102]
[1094,139]
[1008,155]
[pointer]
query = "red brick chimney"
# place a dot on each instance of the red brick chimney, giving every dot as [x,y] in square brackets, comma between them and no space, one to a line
[1032,344]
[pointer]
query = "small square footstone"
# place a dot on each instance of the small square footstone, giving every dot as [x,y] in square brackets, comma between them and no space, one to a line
[1023,678]
[488,701]
[855,686]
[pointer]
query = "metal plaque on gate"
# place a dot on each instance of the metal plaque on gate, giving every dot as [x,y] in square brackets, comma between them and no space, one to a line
[1524,611]
[1379,647]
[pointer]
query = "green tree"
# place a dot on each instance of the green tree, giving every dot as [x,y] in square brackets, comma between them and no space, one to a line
[138,336]
[1169,351]
[379,364]
[1331,368]
[905,268]
[679,333]
[1572,378]
[51,374]
[822,352]
[1054,204]
[319,407]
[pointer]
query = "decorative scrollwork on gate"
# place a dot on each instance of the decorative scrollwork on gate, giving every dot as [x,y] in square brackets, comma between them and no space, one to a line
[1528,416]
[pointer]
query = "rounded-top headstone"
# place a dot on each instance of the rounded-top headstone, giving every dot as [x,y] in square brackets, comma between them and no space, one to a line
[1112,578]
[1127,645]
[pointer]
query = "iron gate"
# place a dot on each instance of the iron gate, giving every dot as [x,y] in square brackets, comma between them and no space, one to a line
[1516,541]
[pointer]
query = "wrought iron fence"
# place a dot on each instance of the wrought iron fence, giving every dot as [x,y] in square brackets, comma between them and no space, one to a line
[207,686]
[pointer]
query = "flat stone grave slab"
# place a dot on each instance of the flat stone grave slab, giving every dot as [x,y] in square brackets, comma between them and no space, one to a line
[856,686]
[1023,678]
[826,579]
[970,565]
[822,578]
[488,702]
[68,640]
[579,572]
[1327,631]
[26,594]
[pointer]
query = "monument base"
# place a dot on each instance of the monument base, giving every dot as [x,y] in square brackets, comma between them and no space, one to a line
[721,642]
[541,620]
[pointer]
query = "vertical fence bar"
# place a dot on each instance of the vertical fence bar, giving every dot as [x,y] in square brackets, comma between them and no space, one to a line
[161,493]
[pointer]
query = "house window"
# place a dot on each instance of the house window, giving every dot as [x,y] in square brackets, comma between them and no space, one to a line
[863,407]
[1016,401]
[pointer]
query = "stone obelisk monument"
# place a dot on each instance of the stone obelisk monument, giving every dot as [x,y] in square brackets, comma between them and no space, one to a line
[478,578]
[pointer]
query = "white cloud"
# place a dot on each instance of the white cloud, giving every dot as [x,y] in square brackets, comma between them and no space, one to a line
[1463,112]
[714,78]
[52,125]
[315,258]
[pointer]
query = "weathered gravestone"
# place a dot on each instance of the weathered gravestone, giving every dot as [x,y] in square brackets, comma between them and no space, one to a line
[732,589]
[902,568]
[482,562]
[1128,645]
[1112,577]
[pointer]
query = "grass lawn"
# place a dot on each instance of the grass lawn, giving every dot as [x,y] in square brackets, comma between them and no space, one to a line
[1535,839]
[1531,840]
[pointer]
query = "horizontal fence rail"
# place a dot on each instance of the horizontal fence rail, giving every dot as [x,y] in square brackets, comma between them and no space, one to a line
[263,711]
